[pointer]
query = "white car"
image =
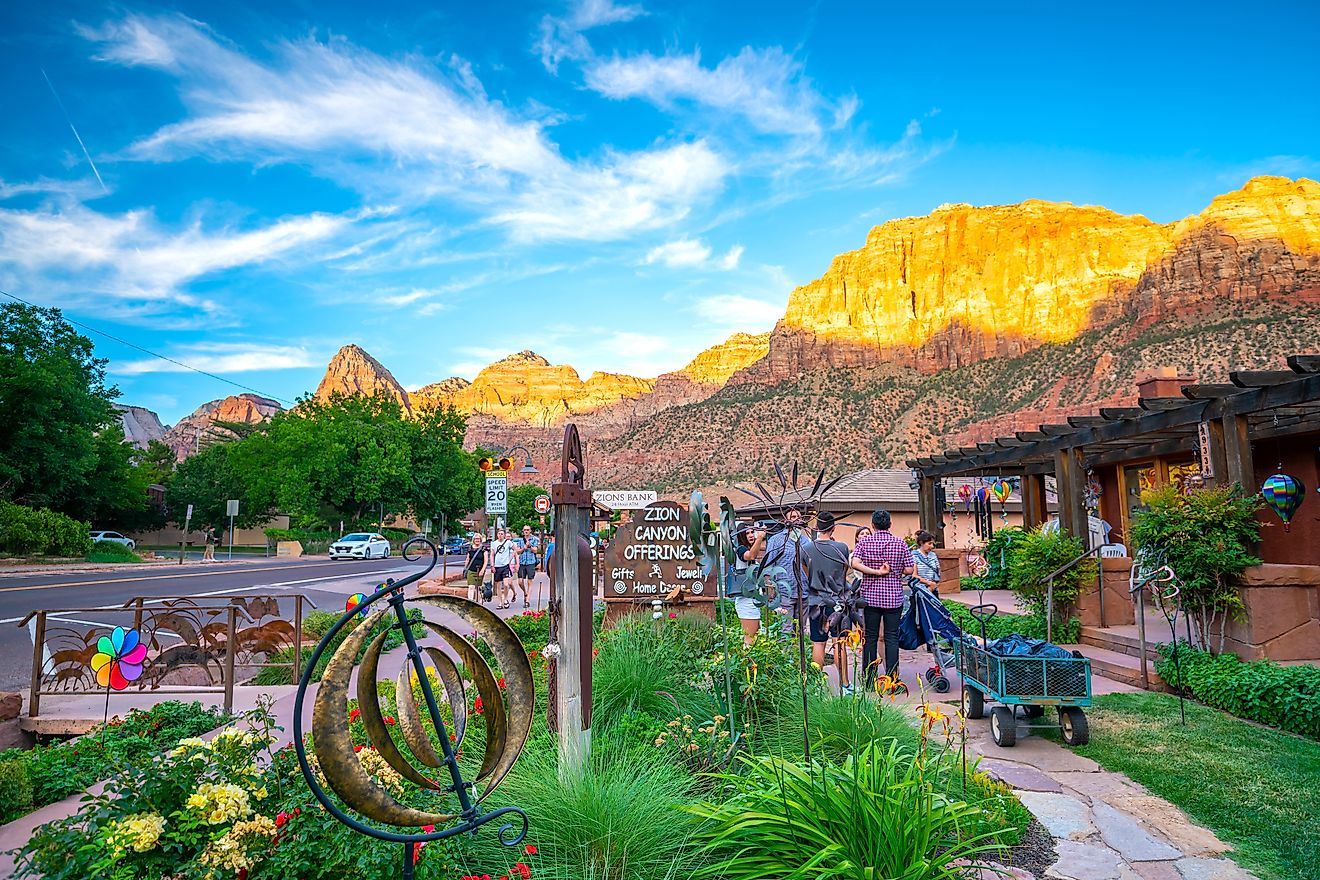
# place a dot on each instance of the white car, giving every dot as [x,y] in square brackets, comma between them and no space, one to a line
[361,545]
[114,538]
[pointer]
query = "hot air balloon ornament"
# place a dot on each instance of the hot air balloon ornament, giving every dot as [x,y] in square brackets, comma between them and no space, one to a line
[1002,489]
[965,493]
[358,800]
[1284,494]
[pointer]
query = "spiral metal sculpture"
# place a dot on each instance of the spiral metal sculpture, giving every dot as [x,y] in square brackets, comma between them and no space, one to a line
[507,726]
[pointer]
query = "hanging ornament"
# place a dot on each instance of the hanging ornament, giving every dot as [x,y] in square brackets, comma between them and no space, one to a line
[983,494]
[1002,490]
[1284,494]
[965,493]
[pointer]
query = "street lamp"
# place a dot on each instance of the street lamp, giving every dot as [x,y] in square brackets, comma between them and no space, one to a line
[506,463]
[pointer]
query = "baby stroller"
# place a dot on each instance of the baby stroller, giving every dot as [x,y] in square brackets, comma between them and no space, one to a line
[927,622]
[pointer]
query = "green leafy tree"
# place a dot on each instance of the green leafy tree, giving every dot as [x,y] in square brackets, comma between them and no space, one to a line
[157,462]
[1206,538]
[53,403]
[522,510]
[209,479]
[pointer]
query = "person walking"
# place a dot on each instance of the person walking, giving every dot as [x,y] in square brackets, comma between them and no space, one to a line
[830,564]
[883,560]
[926,569]
[478,566]
[208,552]
[501,557]
[529,549]
[748,549]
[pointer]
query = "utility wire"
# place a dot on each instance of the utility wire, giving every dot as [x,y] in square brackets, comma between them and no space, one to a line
[150,352]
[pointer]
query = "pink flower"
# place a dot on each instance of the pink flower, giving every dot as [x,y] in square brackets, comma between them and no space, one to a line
[673,615]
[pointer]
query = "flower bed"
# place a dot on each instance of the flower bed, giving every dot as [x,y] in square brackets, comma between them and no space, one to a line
[680,780]
[33,778]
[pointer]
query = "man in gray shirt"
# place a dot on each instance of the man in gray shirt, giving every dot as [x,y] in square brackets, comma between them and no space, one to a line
[829,569]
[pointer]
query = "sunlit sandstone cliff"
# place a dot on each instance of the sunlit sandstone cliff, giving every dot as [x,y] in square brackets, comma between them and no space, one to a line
[353,371]
[199,428]
[963,283]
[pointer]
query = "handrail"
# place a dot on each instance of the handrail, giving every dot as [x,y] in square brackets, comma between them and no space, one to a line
[1049,589]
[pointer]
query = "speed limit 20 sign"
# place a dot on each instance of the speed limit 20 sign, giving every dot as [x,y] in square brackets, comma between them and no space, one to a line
[542,503]
[497,495]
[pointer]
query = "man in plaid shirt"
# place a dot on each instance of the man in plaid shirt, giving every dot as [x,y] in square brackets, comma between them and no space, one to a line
[883,560]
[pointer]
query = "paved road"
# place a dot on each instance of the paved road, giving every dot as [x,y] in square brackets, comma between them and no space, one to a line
[96,592]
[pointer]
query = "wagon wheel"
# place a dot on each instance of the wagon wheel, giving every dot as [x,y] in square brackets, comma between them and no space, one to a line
[1073,725]
[1003,726]
[973,702]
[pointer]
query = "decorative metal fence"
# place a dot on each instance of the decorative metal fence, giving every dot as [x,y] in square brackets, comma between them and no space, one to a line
[194,644]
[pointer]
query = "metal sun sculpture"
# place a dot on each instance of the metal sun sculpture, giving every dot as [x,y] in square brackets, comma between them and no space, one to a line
[507,727]
[1284,494]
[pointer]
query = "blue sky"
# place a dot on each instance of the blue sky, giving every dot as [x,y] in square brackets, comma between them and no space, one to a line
[614,185]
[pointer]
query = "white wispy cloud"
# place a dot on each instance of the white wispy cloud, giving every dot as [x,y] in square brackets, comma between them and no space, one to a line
[222,358]
[687,253]
[131,258]
[766,87]
[740,313]
[342,108]
[562,36]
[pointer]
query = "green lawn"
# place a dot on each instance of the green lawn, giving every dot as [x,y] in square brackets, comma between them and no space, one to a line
[1257,788]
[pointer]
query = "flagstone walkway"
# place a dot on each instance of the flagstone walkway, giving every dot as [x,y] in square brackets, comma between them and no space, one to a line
[1106,827]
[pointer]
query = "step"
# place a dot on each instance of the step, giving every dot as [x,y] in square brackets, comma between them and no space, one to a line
[1120,640]
[1118,666]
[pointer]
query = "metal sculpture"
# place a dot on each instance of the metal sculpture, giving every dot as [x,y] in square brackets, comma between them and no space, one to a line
[1284,494]
[507,728]
[791,515]
[1151,574]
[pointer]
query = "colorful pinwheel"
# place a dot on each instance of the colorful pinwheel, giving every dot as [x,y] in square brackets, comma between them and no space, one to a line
[1284,494]
[355,602]
[118,659]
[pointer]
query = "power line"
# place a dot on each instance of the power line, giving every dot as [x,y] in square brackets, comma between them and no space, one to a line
[171,360]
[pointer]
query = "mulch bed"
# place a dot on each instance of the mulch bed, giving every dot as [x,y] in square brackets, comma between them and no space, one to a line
[1035,853]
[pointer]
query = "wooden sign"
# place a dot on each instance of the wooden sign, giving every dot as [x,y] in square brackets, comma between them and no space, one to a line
[650,557]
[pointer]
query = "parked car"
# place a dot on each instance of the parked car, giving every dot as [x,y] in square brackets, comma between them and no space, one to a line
[114,538]
[456,545]
[361,545]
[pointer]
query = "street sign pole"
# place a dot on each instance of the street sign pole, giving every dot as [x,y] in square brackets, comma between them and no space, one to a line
[183,541]
[231,508]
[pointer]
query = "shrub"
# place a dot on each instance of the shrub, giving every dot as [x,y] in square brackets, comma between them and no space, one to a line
[109,551]
[1206,538]
[1030,625]
[15,790]
[42,532]
[1287,697]
[880,813]
[998,553]
[839,727]
[1038,554]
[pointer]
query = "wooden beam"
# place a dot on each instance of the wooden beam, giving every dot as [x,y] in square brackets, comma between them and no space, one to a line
[1030,436]
[1209,392]
[1086,421]
[1304,363]
[1116,413]
[968,450]
[1261,378]
[1161,404]
[1009,442]
[1133,453]
[987,447]
[1058,430]
[1238,464]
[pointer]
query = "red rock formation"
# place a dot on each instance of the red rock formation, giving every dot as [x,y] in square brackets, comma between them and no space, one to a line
[353,371]
[199,429]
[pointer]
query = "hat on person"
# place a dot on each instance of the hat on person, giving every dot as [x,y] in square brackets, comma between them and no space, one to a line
[824,521]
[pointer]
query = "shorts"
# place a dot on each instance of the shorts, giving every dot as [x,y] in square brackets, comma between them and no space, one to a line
[474,578]
[818,633]
[502,573]
[747,608]
[527,570]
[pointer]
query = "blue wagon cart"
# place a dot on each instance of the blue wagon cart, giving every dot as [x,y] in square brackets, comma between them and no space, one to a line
[1032,683]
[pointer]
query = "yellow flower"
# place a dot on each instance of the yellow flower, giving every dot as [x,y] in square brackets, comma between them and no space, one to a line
[139,832]
[219,802]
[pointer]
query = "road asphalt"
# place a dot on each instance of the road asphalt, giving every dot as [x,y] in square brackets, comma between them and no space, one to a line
[94,593]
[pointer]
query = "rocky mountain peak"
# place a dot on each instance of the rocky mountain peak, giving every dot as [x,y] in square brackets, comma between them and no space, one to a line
[353,371]
[524,358]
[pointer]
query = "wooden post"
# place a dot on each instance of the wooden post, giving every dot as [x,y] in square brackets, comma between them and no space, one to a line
[1069,473]
[927,515]
[38,664]
[1033,500]
[1214,465]
[231,640]
[573,580]
[1238,465]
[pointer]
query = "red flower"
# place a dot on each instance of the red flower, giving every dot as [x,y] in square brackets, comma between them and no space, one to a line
[500,682]
[478,707]
[297,811]
[428,829]
[673,615]
[357,748]
[522,869]
[281,820]
[353,716]
[529,849]
[389,719]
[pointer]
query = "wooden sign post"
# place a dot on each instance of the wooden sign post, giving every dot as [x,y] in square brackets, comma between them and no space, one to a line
[572,609]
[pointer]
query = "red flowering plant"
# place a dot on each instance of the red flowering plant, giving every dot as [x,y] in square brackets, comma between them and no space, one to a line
[519,871]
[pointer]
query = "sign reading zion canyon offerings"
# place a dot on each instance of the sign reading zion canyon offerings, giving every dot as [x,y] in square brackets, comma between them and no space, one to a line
[650,557]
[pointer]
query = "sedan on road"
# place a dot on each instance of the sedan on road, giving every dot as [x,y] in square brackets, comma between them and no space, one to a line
[114,538]
[361,545]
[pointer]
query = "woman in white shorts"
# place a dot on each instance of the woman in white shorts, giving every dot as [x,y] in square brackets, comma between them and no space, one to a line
[750,546]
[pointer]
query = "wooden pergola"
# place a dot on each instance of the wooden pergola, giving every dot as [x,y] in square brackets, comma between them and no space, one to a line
[1222,420]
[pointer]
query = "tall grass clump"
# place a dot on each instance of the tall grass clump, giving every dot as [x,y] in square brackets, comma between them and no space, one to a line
[840,726]
[617,822]
[878,814]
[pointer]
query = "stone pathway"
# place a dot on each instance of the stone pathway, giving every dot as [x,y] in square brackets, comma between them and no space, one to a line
[1106,827]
